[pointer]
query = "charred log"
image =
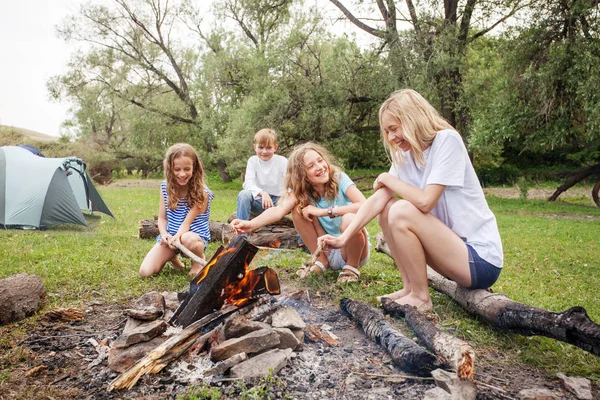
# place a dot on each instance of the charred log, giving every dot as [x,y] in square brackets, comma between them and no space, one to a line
[572,326]
[452,351]
[405,353]
[206,289]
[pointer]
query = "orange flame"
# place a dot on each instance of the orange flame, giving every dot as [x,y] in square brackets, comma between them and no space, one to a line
[239,293]
[274,243]
[205,270]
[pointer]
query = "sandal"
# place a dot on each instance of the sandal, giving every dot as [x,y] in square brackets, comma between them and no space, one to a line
[348,274]
[316,268]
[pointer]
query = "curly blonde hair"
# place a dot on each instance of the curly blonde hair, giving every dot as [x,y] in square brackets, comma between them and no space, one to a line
[196,194]
[419,121]
[296,179]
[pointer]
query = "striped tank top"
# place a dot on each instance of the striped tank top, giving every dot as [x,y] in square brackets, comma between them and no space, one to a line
[175,217]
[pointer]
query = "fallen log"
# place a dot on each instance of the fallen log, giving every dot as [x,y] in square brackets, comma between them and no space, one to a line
[452,351]
[21,295]
[280,234]
[572,326]
[405,353]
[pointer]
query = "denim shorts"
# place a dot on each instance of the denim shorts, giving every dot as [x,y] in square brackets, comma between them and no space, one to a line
[483,274]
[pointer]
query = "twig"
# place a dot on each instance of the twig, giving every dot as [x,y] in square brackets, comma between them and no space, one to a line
[315,255]
[393,376]
[190,254]
[41,339]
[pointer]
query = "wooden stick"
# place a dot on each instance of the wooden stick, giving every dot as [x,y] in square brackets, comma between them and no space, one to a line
[190,254]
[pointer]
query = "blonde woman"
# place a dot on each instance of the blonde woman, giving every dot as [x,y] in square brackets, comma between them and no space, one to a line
[442,219]
[322,200]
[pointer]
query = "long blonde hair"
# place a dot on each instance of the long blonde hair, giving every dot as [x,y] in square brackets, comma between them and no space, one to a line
[296,178]
[196,193]
[419,122]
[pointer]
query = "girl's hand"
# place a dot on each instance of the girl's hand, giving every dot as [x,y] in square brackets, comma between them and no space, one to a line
[165,240]
[310,211]
[332,241]
[174,239]
[267,202]
[378,184]
[241,226]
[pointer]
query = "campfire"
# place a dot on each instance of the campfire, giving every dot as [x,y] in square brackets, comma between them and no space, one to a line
[227,317]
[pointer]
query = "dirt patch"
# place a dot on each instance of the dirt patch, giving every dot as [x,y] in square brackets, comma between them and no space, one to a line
[69,366]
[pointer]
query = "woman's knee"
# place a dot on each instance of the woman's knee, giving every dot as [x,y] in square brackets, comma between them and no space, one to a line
[403,212]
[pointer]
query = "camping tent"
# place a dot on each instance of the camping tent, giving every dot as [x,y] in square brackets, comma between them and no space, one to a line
[37,192]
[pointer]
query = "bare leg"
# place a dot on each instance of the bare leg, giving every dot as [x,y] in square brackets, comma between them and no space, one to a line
[385,223]
[356,248]
[193,243]
[309,232]
[155,260]
[177,263]
[420,239]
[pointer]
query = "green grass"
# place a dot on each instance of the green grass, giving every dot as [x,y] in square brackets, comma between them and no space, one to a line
[551,262]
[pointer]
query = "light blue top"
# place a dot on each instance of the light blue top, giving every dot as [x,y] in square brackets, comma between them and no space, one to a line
[176,217]
[332,225]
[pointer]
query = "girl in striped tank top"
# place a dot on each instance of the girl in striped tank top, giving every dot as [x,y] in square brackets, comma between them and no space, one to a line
[183,211]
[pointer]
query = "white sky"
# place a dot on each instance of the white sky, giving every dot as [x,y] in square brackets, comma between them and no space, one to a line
[30,53]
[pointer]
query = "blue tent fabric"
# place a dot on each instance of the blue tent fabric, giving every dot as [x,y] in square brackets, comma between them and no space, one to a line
[32,149]
[37,191]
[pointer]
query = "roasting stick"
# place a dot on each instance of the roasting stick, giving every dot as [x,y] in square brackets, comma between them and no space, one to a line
[315,255]
[190,254]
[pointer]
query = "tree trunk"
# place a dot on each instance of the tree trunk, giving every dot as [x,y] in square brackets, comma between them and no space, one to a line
[573,180]
[280,234]
[571,326]
[405,353]
[21,295]
[222,167]
[595,191]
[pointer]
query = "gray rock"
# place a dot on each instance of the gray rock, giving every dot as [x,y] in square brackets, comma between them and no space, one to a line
[287,339]
[143,333]
[580,387]
[287,317]
[253,342]
[262,365]
[537,394]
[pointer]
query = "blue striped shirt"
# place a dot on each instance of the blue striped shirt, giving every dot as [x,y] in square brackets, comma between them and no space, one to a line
[176,217]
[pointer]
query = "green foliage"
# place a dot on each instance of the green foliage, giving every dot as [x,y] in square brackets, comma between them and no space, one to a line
[201,392]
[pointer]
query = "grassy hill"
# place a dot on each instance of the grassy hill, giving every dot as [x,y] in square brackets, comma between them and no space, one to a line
[10,133]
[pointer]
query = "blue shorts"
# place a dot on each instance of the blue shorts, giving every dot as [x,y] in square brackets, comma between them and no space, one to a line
[483,274]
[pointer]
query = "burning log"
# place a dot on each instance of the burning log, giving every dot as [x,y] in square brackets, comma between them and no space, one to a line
[280,234]
[571,326]
[161,356]
[405,353]
[454,352]
[225,278]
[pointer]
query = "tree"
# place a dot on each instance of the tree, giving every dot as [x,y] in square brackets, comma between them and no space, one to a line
[441,34]
[549,92]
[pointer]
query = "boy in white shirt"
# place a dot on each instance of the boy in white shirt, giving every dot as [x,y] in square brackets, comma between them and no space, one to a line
[264,179]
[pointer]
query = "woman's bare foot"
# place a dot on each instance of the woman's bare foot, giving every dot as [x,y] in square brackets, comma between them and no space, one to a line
[418,303]
[395,295]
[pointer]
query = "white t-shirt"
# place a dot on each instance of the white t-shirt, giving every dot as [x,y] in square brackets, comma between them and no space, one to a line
[462,206]
[265,175]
